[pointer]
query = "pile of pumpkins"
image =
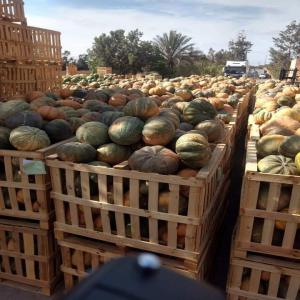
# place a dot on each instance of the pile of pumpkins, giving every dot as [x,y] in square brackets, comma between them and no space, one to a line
[277,112]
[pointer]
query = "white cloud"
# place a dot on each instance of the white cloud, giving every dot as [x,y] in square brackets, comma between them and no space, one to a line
[80,26]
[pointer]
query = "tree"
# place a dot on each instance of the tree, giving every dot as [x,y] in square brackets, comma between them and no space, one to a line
[240,47]
[175,48]
[125,53]
[67,59]
[82,62]
[286,47]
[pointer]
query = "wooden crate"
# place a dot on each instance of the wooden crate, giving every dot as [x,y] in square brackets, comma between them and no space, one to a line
[28,256]
[19,79]
[104,70]
[263,278]
[26,43]
[122,224]
[25,196]
[259,229]
[48,77]
[12,11]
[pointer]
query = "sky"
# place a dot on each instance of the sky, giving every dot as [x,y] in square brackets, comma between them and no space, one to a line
[210,23]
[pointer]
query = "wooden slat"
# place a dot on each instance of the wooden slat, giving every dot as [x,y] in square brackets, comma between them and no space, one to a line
[102,185]
[118,200]
[173,209]
[85,189]
[71,191]
[134,194]
[29,250]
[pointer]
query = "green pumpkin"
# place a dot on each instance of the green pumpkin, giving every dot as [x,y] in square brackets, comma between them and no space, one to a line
[93,133]
[154,159]
[290,147]
[286,101]
[214,130]
[233,100]
[4,138]
[172,115]
[76,152]
[26,138]
[75,123]
[277,164]
[108,117]
[185,126]
[194,150]
[97,106]
[58,130]
[198,111]
[269,145]
[261,116]
[11,107]
[178,134]
[158,131]
[126,130]
[69,112]
[91,116]
[113,154]
[224,116]
[42,101]
[142,108]
[24,118]
[82,111]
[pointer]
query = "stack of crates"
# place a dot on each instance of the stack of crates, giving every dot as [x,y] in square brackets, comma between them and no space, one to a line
[30,57]
[265,262]
[29,60]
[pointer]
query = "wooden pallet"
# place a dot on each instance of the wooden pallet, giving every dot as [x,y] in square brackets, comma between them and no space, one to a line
[26,43]
[19,79]
[26,196]
[12,11]
[28,256]
[263,278]
[140,223]
[260,230]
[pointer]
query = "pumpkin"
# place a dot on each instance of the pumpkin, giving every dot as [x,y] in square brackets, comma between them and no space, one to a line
[194,150]
[43,101]
[158,90]
[95,105]
[142,108]
[4,138]
[58,130]
[297,160]
[233,100]
[224,117]
[34,95]
[186,173]
[285,101]
[93,133]
[108,117]
[297,97]
[26,138]
[214,129]
[198,110]
[277,164]
[269,144]
[24,118]
[287,112]
[50,113]
[283,202]
[91,116]
[65,93]
[261,116]
[11,107]
[290,146]
[217,103]
[117,100]
[75,123]
[158,131]
[281,224]
[69,112]
[52,95]
[156,159]
[82,111]
[287,123]
[185,94]
[76,152]
[222,95]
[172,115]
[69,103]
[185,126]
[164,200]
[100,95]
[270,106]
[181,232]
[113,154]
[126,130]
[178,134]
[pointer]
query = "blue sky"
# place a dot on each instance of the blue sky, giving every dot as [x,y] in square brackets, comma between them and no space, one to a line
[211,23]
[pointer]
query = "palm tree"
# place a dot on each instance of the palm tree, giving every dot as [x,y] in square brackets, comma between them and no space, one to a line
[175,48]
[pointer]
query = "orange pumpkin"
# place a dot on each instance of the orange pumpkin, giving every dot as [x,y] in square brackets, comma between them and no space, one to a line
[65,93]
[229,109]
[186,173]
[34,95]
[98,223]
[50,113]
[222,95]
[69,103]
[218,103]
[117,100]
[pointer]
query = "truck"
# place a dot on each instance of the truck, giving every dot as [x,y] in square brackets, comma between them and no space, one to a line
[236,69]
